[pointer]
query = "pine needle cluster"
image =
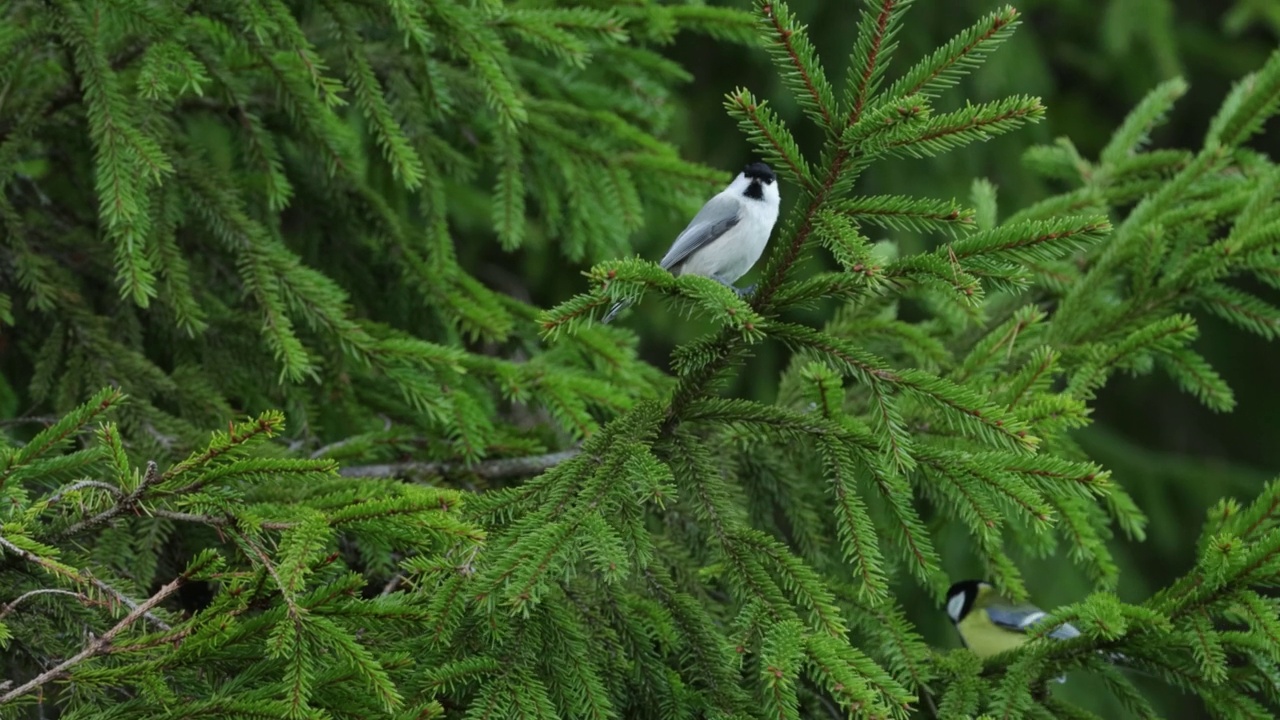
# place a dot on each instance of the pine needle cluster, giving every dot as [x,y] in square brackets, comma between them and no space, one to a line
[222,208]
[229,209]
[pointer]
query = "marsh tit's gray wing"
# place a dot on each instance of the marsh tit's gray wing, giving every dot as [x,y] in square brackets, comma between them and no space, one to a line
[713,220]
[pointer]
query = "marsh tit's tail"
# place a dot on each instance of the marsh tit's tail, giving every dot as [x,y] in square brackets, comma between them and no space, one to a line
[613,312]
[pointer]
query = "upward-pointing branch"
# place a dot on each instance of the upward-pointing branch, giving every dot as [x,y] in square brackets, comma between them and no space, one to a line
[806,70]
[868,69]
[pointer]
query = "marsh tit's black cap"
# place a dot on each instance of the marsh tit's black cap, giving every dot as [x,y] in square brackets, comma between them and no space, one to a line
[759,171]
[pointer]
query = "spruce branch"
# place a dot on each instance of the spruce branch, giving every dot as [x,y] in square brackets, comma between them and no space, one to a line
[1031,241]
[899,212]
[876,29]
[726,23]
[791,44]
[82,578]
[80,485]
[698,553]
[127,601]
[1129,138]
[58,434]
[854,527]
[949,62]
[975,123]
[125,503]
[324,450]
[238,436]
[102,644]
[71,93]
[9,607]
[213,520]
[1252,101]
[53,567]
[762,124]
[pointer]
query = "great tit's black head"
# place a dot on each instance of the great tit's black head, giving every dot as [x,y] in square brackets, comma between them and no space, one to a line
[961,596]
[760,171]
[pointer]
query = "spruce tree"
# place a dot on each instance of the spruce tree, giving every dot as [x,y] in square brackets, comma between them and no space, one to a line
[438,497]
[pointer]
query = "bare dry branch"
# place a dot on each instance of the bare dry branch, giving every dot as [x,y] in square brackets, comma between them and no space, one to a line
[82,484]
[99,646]
[489,469]
[8,609]
[214,520]
[80,578]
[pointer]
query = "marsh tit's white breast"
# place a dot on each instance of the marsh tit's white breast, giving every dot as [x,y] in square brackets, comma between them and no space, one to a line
[728,235]
[753,199]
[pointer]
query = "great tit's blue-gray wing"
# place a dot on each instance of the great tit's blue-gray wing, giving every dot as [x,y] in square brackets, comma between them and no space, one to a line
[1021,618]
[713,220]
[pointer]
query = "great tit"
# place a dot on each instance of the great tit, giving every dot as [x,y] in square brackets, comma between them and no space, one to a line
[989,623]
[728,234]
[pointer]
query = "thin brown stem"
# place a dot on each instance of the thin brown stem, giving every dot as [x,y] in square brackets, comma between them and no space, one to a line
[80,578]
[785,39]
[10,607]
[873,58]
[128,502]
[82,484]
[99,646]
[213,520]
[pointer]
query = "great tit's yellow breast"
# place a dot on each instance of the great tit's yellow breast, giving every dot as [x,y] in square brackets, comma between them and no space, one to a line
[984,637]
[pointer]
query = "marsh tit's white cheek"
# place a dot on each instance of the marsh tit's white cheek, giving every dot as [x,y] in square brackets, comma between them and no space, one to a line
[771,194]
[954,606]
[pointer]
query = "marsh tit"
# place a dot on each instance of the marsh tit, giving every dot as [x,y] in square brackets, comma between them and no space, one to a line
[728,234]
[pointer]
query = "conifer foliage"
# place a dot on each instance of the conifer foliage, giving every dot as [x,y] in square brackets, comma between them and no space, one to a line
[219,211]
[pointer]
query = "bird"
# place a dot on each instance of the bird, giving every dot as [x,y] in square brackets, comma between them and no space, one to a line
[728,235]
[990,623]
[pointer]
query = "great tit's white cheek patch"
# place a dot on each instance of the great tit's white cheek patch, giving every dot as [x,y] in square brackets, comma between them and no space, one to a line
[954,606]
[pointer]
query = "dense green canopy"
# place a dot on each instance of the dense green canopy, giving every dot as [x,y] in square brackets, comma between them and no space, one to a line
[306,412]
